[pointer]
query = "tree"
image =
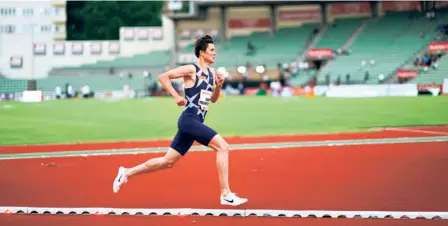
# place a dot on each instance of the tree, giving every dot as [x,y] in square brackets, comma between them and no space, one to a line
[101,20]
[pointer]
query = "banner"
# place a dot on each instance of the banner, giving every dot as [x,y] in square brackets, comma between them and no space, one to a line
[250,91]
[434,89]
[249,23]
[299,14]
[438,46]
[320,53]
[441,4]
[400,6]
[299,91]
[426,87]
[347,8]
[445,86]
[407,73]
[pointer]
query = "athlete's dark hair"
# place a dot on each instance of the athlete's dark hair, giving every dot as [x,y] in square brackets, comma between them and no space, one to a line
[202,44]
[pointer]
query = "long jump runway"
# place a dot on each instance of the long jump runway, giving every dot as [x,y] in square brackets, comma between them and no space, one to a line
[389,173]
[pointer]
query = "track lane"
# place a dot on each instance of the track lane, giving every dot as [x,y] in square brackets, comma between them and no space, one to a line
[398,177]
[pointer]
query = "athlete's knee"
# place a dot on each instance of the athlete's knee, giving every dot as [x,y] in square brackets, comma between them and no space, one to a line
[224,147]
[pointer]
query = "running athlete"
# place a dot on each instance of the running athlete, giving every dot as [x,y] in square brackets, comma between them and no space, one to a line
[202,86]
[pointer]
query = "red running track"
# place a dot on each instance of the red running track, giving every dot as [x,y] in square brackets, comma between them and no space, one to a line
[398,177]
[39,220]
[230,140]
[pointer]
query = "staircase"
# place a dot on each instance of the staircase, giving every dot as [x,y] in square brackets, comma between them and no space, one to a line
[358,31]
[349,41]
[313,42]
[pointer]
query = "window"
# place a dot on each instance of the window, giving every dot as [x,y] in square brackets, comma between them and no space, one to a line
[48,11]
[7,11]
[46,28]
[7,28]
[27,11]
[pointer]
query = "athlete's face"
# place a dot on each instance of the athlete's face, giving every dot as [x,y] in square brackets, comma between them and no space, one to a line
[209,54]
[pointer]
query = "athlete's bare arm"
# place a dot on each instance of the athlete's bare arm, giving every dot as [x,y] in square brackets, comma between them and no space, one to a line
[179,72]
[219,81]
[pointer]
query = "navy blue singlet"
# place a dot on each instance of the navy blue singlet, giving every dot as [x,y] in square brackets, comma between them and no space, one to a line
[191,122]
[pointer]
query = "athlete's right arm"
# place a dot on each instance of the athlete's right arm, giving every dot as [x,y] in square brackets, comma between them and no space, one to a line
[179,72]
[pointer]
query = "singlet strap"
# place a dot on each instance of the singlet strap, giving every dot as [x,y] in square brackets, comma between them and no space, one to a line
[196,78]
[212,77]
[197,67]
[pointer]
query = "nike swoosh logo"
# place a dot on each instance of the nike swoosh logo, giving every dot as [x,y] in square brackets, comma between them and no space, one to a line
[231,201]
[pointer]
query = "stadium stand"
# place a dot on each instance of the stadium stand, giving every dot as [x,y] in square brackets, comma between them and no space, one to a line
[95,82]
[339,32]
[151,59]
[12,85]
[384,46]
[434,75]
[289,43]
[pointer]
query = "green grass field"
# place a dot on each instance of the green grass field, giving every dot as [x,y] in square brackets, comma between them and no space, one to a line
[67,121]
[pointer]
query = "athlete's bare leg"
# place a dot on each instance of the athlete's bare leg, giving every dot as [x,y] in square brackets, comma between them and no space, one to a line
[155,164]
[152,165]
[222,162]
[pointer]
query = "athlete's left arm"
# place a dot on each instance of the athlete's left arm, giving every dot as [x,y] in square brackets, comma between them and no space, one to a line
[219,80]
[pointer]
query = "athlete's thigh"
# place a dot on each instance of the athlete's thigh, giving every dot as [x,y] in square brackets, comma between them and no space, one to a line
[182,142]
[201,133]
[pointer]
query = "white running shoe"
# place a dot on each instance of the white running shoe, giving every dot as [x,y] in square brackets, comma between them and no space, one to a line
[232,200]
[120,179]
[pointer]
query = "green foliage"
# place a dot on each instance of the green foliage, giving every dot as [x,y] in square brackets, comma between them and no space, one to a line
[101,20]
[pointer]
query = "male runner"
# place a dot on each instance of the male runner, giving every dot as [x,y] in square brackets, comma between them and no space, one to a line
[200,90]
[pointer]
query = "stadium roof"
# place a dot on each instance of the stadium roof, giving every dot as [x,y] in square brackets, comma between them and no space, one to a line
[201,5]
[256,3]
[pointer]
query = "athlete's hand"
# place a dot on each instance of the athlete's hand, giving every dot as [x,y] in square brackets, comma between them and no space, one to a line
[180,101]
[220,79]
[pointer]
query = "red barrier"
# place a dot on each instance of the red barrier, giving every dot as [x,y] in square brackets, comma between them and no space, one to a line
[405,73]
[320,53]
[438,46]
